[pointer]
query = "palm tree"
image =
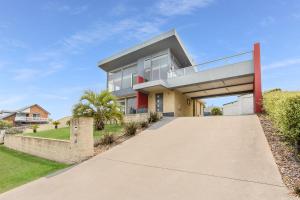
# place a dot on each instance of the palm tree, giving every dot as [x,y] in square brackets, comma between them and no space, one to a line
[101,106]
[56,123]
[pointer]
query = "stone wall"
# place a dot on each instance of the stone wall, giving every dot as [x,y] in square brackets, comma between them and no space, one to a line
[80,146]
[136,117]
[2,132]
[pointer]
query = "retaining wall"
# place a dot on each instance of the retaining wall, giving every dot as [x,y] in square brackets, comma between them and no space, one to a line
[78,148]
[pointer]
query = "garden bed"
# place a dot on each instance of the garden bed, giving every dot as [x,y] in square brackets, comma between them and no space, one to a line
[283,153]
[99,148]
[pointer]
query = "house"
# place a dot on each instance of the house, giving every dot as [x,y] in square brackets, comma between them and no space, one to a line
[243,106]
[159,75]
[33,114]
[207,110]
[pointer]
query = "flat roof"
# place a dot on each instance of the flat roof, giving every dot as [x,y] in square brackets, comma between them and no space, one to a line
[161,42]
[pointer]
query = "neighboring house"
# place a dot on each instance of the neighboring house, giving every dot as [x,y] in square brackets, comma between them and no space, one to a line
[159,75]
[243,106]
[207,110]
[33,114]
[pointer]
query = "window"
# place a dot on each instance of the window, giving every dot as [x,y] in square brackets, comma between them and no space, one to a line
[156,68]
[35,115]
[147,70]
[127,77]
[131,106]
[115,80]
[122,106]
[121,79]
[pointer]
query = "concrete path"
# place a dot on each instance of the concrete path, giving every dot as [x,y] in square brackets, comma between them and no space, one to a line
[209,158]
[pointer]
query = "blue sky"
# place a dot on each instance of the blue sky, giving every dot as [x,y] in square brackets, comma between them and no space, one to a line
[49,49]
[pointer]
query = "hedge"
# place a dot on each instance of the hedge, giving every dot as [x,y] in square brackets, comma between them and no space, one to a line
[5,124]
[283,109]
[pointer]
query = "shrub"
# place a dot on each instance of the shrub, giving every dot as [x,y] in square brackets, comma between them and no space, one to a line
[5,124]
[34,127]
[107,138]
[68,123]
[144,124]
[130,128]
[56,123]
[154,117]
[297,189]
[283,109]
[13,131]
[216,111]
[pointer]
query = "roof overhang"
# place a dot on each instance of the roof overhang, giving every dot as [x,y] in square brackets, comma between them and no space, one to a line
[169,40]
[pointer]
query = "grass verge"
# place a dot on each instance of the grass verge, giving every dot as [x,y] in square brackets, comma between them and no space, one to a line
[64,133]
[18,168]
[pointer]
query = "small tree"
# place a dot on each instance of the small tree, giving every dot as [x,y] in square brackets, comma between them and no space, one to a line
[101,106]
[34,127]
[56,123]
[216,111]
[68,123]
[5,124]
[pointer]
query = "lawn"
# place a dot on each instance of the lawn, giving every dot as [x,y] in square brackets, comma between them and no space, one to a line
[17,168]
[64,133]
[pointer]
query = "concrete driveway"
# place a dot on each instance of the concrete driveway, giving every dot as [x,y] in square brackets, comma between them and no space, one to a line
[182,158]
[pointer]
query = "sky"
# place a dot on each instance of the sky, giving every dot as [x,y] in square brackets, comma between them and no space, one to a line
[49,49]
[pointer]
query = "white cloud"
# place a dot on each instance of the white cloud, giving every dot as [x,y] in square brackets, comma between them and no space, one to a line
[282,64]
[267,21]
[64,8]
[180,7]
[296,16]
[53,97]
[28,74]
[9,43]
[25,74]
[122,9]
[8,100]
[95,34]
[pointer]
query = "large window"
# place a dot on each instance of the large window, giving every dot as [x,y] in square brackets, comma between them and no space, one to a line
[121,79]
[115,80]
[156,68]
[147,69]
[122,105]
[128,75]
[131,106]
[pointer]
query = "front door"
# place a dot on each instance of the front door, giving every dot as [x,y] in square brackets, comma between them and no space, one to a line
[159,98]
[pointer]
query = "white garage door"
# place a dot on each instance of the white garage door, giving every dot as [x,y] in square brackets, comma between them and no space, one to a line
[247,105]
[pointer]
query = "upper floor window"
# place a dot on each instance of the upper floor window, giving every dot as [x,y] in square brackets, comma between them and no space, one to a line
[156,68]
[122,79]
[35,115]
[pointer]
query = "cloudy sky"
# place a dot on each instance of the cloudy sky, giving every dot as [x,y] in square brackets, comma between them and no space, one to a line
[49,49]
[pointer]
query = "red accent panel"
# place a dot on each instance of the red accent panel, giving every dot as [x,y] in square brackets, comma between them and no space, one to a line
[257,94]
[141,98]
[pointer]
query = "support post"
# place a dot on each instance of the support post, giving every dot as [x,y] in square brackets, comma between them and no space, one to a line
[257,91]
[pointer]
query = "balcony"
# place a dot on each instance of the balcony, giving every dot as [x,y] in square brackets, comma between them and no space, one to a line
[229,75]
[30,119]
[212,64]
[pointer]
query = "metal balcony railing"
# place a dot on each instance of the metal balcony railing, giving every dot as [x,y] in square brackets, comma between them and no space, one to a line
[243,56]
[31,119]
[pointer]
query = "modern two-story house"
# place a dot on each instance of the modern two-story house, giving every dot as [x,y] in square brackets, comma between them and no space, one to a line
[159,75]
[33,114]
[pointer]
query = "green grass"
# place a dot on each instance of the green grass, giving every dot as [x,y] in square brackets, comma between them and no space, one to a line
[64,133]
[17,168]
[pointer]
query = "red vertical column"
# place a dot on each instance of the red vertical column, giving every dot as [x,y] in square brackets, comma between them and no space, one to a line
[257,94]
[141,98]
